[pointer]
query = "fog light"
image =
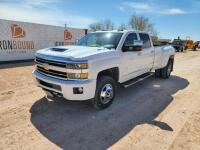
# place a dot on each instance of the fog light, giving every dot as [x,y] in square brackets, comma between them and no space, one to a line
[78,90]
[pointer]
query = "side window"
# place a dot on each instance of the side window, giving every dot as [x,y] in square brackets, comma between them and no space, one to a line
[146,40]
[130,38]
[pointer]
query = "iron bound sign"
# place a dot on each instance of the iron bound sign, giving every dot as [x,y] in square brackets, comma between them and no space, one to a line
[20,40]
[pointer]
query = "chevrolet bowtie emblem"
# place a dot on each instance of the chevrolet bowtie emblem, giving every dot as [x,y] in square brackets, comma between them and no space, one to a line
[46,67]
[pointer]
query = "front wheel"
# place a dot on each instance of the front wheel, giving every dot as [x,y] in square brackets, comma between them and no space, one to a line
[182,49]
[105,92]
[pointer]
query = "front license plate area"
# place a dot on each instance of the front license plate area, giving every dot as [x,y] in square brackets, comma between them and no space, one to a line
[53,93]
[49,93]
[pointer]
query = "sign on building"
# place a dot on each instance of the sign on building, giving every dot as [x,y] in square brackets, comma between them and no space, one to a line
[20,40]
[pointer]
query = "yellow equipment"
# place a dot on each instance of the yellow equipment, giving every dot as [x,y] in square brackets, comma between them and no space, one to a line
[189,44]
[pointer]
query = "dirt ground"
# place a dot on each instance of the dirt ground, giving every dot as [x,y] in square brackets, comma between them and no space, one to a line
[152,115]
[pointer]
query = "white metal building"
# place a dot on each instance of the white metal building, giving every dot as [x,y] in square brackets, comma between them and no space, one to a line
[20,40]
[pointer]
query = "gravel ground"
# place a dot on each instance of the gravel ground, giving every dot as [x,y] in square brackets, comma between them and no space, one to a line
[153,114]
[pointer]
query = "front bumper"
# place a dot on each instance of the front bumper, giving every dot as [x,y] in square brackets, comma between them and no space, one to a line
[66,87]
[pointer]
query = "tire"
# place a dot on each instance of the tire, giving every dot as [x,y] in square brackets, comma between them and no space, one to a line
[158,73]
[182,49]
[166,71]
[105,92]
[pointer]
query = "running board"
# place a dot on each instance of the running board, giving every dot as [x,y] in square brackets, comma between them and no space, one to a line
[137,79]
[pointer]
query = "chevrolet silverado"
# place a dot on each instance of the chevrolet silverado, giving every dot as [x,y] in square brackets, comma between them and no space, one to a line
[91,69]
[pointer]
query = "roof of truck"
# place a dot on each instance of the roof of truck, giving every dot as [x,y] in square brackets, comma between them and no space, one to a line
[123,31]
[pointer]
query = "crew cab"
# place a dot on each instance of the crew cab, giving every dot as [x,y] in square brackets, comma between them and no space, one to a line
[91,69]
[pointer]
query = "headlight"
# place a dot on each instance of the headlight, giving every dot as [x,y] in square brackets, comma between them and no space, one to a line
[77,75]
[77,66]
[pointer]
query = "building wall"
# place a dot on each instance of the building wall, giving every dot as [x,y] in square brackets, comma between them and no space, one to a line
[20,40]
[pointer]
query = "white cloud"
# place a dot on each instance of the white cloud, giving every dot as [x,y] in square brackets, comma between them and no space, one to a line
[31,2]
[39,11]
[175,11]
[140,7]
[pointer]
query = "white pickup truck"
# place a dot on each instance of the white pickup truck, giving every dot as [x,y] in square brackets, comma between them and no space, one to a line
[91,69]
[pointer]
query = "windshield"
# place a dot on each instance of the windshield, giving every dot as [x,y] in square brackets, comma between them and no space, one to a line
[101,39]
[177,42]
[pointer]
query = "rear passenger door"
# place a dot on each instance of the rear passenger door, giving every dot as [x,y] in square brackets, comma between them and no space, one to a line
[147,53]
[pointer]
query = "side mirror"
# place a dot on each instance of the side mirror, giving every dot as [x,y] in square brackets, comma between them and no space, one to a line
[137,45]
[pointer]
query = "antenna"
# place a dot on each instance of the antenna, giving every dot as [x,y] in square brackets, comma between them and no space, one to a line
[65,25]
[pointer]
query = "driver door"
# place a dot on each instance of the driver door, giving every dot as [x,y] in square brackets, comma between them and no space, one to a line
[131,61]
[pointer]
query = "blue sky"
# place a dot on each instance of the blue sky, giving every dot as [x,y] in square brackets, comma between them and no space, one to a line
[172,18]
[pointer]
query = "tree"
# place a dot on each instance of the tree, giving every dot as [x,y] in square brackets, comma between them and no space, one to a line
[105,25]
[142,23]
[108,25]
[122,27]
[96,26]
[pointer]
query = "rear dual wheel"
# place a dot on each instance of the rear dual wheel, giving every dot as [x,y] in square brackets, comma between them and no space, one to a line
[166,71]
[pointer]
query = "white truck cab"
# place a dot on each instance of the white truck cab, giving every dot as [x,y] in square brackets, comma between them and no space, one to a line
[91,69]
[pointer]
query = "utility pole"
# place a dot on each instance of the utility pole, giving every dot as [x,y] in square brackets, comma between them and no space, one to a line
[187,37]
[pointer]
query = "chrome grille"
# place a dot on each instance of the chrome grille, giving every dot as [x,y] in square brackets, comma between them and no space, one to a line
[58,69]
[50,62]
[53,73]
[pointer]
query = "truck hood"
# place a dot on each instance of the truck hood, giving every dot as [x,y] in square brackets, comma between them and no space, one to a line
[73,52]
